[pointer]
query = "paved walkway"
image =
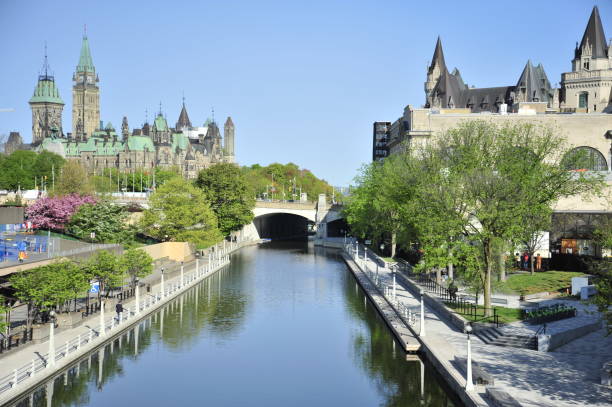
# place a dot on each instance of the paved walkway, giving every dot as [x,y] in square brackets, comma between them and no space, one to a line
[568,376]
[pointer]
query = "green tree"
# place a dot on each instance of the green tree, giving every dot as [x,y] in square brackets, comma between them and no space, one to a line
[106,219]
[505,175]
[47,167]
[73,179]
[179,211]
[50,286]
[602,268]
[230,197]
[137,263]
[106,269]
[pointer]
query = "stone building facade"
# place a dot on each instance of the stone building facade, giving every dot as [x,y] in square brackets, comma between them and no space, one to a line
[580,110]
[99,146]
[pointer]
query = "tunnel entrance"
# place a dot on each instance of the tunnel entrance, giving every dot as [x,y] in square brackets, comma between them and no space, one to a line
[337,228]
[278,226]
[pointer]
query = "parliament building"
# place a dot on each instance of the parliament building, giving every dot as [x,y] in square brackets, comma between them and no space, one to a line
[99,146]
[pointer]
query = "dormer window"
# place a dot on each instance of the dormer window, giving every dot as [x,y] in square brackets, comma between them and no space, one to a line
[585,64]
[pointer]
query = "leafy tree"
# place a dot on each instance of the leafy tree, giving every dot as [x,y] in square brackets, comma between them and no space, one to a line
[280,181]
[137,263]
[17,170]
[506,176]
[54,213]
[47,167]
[3,310]
[179,211]
[603,270]
[230,197]
[104,218]
[50,286]
[73,179]
[106,269]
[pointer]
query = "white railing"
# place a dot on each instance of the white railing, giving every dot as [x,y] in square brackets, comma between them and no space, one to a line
[219,258]
[385,287]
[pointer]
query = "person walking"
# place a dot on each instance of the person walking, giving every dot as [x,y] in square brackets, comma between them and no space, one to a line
[119,310]
[525,261]
[538,260]
[517,259]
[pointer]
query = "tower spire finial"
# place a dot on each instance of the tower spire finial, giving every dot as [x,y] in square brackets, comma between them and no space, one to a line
[213,114]
[146,115]
[160,108]
[183,98]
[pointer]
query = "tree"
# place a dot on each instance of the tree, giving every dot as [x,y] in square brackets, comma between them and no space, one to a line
[137,263]
[47,287]
[179,211]
[104,218]
[603,270]
[17,170]
[106,269]
[230,197]
[54,213]
[73,179]
[505,176]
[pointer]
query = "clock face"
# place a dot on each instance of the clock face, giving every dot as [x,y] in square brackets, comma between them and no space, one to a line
[90,79]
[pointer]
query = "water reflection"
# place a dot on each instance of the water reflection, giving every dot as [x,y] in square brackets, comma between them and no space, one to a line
[286,322]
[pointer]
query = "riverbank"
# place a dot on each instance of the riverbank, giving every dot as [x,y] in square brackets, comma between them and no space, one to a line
[27,368]
[567,377]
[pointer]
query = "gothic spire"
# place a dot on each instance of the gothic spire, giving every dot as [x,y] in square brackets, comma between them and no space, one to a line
[85,61]
[183,120]
[438,57]
[594,36]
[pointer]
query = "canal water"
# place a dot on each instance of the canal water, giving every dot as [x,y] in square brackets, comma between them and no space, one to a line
[284,325]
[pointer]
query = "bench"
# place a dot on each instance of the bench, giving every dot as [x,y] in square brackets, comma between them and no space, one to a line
[479,375]
[500,398]
[499,301]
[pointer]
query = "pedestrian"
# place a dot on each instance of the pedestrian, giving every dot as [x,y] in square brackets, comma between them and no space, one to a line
[517,259]
[525,261]
[119,310]
[538,262]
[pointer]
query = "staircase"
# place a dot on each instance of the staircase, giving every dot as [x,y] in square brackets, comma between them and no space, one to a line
[494,336]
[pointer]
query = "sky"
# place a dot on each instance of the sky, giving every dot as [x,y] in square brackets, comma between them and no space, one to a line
[302,80]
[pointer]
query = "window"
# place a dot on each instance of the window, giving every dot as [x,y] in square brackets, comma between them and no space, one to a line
[584,158]
[586,64]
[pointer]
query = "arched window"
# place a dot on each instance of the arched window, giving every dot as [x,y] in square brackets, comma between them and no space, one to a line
[585,158]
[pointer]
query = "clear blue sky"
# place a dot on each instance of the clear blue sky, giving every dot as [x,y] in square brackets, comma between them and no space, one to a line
[303,81]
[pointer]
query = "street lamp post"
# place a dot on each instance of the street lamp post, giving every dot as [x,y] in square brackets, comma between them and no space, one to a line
[394,290]
[469,384]
[137,294]
[51,357]
[422,330]
[162,283]
[102,328]
[182,276]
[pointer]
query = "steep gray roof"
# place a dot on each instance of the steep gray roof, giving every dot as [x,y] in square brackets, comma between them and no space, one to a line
[438,57]
[183,120]
[534,82]
[594,35]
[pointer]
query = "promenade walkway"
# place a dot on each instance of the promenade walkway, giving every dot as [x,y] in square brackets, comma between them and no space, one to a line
[566,377]
[20,369]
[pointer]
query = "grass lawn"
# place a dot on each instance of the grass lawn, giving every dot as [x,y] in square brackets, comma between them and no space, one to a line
[539,282]
[388,259]
[506,315]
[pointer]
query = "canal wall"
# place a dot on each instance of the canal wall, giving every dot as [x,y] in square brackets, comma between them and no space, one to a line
[435,348]
[391,317]
[21,373]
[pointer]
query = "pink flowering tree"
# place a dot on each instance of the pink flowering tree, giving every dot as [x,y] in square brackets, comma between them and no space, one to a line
[54,213]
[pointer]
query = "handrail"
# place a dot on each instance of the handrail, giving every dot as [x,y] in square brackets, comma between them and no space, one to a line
[173,285]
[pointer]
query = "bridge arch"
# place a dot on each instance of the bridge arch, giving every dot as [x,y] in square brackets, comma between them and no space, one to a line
[283,225]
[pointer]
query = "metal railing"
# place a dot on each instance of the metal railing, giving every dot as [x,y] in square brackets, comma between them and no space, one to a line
[132,313]
[383,284]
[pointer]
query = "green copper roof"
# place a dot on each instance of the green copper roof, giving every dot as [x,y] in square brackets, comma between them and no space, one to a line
[85,61]
[160,123]
[97,145]
[46,92]
[179,140]
[140,143]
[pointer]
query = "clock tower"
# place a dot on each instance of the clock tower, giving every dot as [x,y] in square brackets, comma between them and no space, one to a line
[85,96]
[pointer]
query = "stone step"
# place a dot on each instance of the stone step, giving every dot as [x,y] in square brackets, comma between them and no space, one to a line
[494,336]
